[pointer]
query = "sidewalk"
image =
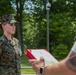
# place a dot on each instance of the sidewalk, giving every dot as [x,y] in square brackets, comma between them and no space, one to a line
[26,67]
[28,74]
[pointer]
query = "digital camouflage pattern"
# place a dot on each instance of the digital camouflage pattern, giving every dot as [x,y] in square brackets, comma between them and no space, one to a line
[7,18]
[9,56]
[16,45]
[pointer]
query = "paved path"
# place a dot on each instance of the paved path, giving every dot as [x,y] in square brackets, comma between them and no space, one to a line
[26,67]
[28,74]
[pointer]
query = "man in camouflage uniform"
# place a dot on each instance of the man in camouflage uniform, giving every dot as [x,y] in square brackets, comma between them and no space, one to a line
[9,48]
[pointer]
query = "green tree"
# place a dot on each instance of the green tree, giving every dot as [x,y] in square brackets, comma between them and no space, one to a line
[62,24]
[5,8]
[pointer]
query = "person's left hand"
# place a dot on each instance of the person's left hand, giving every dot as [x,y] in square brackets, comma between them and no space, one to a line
[36,64]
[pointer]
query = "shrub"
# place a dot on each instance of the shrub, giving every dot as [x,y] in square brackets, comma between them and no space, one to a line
[60,51]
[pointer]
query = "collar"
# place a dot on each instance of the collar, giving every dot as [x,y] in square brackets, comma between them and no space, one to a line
[6,39]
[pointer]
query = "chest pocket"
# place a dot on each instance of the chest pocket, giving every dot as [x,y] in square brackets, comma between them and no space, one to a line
[9,51]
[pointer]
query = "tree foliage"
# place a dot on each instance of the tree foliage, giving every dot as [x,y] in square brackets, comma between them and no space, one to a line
[62,25]
[62,17]
[6,7]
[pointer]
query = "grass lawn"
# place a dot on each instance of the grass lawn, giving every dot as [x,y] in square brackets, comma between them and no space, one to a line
[24,62]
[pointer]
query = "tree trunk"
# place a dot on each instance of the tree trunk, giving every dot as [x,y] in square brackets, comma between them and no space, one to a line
[19,26]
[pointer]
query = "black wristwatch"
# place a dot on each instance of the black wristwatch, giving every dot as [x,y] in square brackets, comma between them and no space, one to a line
[42,70]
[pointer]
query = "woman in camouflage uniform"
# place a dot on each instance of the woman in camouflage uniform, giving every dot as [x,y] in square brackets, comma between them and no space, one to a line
[9,48]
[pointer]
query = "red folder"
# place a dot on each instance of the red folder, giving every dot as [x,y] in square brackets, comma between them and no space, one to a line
[37,53]
[29,54]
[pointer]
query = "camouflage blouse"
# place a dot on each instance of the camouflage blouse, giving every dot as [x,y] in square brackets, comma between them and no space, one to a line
[9,57]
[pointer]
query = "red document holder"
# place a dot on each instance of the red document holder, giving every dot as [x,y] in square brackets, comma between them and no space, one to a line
[29,54]
[37,53]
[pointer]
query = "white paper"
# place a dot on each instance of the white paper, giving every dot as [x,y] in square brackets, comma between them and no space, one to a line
[49,59]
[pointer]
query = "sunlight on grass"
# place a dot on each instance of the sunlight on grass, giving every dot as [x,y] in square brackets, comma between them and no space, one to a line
[24,61]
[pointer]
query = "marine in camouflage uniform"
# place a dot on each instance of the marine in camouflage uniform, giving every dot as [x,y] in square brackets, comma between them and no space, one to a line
[9,56]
